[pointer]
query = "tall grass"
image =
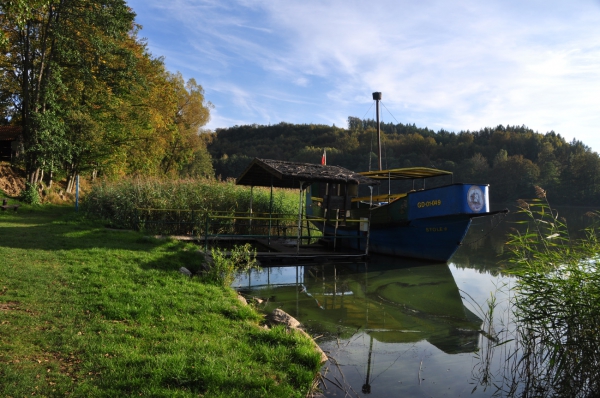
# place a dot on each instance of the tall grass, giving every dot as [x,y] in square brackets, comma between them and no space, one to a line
[556,307]
[119,201]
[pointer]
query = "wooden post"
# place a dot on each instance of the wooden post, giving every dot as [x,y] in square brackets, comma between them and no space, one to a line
[251,200]
[77,193]
[369,226]
[325,205]
[308,191]
[193,222]
[389,186]
[337,217]
[270,211]
[206,233]
[299,219]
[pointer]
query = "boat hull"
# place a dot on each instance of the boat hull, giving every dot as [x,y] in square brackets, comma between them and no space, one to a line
[435,238]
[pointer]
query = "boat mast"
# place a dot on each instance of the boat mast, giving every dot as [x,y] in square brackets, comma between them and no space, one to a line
[377,98]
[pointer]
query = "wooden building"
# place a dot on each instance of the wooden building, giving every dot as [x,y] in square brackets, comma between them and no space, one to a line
[9,142]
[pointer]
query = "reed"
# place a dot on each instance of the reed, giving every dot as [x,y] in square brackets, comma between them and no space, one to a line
[119,201]
[556,307]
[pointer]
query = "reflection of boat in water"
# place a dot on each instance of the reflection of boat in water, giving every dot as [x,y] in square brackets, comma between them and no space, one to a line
[392,302]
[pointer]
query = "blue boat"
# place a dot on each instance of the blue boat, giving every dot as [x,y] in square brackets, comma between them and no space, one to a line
[410,219]
[427,224]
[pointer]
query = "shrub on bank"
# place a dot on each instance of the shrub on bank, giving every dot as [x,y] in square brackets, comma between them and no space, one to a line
[30,195]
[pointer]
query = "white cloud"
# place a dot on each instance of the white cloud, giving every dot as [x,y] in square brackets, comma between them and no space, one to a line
[464,65]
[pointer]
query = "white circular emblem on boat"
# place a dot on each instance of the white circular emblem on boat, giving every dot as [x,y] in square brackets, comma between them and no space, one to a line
[475,198]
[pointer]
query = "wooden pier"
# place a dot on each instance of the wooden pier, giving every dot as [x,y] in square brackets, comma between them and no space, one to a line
[282,252]
[276,251]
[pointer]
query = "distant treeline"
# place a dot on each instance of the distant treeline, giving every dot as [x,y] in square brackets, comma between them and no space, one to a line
[512,159]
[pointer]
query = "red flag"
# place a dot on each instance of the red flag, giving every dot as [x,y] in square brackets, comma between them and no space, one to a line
[324,158]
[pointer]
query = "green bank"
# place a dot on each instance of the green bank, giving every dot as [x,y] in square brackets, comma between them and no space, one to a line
[89,311]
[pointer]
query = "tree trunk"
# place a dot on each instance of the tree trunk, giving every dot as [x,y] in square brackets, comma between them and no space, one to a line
[34,177]
[26,134]
[69,183]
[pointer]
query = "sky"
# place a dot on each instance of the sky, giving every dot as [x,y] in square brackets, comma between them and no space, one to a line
[453,65]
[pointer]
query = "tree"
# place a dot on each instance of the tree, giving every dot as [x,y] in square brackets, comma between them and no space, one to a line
[474,170]
[513,178]
[90,96]
[168,117]
[520,156]
[191,113]
[200,165]
[581,182]
[501,156]
[550,168]
[56,53]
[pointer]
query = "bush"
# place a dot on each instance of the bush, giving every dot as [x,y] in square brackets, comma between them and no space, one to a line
[225,267]
[30,195]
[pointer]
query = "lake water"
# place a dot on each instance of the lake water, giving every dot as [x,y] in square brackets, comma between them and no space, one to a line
[399,327]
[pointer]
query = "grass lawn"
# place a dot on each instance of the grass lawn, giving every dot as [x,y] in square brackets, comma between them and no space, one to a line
[90,312]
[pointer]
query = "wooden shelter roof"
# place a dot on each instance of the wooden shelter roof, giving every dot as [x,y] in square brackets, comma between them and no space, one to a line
[9,133]
[282,174]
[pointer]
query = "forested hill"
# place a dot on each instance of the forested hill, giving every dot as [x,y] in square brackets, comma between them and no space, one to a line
[512,159]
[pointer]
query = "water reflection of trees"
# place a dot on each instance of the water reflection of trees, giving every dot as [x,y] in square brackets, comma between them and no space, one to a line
[484,246]
[393,300]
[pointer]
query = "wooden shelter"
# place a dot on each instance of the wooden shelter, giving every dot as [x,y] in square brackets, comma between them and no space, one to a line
[9,140]
[283,174]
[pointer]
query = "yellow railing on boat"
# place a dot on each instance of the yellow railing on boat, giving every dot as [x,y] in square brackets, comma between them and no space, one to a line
[406,173]
[380,198]
[376,198]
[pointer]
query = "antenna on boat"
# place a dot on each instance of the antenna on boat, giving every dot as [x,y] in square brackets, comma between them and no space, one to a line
[377,98]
